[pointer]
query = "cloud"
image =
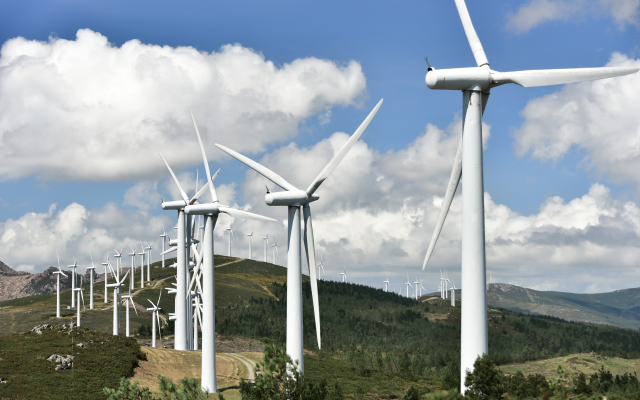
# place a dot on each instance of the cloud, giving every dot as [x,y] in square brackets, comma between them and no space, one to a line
[103,111]
[599,118]
[537,12]
[33,239]
[377,212]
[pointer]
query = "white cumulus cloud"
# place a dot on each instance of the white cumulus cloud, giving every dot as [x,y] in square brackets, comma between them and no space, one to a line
[85,109]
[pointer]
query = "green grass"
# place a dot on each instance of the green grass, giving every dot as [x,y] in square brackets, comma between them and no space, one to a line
[23,363]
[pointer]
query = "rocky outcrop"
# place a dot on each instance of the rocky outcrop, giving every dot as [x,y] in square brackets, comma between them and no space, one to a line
[16,284]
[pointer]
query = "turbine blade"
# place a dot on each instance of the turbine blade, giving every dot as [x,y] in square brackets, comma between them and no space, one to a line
[324,174]
[204,188]
[454,179]
[159,326]
[134,307]
[547,77]
[309,247]
[171,250]
[182,193]
[472,36]
[262,170]
[244,214]
[214,195]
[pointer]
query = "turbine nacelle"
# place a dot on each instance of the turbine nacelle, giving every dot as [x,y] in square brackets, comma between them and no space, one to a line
[458,78]
[202,209]
[174,205]
[289,198]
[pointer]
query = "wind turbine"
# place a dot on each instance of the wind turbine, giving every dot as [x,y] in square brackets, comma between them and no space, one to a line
[116,303]
[386,285]
[250,235]
[344,274]
[475,84]
[58,273]
[421,287]
[149,248]
[407,285]
[266,243]
[453,294]
[133,269]
[91,279]
[106,291]
[415,292]
[155,316]
[164,239]
[118,257]
[294,199]
[274,250]
[320,269]
[210,211]
[128,299]
[142,266]
[80,295]
[73,268]
[230,230]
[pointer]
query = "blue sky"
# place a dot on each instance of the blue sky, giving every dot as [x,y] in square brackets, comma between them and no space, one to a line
[388,40]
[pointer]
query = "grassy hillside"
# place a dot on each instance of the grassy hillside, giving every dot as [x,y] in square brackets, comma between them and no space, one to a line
[100,362]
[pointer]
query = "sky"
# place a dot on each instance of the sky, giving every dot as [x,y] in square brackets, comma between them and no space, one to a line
[90,92]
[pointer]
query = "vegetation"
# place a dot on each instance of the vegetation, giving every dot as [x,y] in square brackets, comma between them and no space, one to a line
[100,361]
[375,330]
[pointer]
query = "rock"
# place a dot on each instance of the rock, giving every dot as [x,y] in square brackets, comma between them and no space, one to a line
[64,362]
[80,345]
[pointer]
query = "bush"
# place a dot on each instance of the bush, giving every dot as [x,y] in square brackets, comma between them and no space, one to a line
[486,381]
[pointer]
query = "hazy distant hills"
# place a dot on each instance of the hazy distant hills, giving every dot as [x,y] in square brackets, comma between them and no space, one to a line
[619,308]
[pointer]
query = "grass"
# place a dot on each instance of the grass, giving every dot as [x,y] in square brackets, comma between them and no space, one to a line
[587,363]
[23,363]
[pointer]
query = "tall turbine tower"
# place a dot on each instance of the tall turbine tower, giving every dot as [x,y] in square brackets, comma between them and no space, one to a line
[230,230]
[294,199]
[58,273]
[211,212]
[250,235]
[266,244]
[164,239]
[92,268]
[475,84]
[73,269]
[274,250]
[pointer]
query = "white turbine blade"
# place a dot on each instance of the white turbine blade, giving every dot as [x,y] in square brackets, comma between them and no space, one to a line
[472,36]
[125,277]
[262,170]
[159,297]
[214,195]
[171,250]
[182,193]
[454,179]
[546,77]
[324,174]
[82,297]
[159,326]
[244,214]
[309,247]
[203,189]
[154,306]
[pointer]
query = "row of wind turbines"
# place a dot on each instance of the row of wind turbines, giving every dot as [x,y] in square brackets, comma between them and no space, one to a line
[194,288]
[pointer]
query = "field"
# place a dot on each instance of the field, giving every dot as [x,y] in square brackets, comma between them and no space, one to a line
[586,363]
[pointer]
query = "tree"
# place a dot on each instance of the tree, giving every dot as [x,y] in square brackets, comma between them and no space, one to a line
[486,381]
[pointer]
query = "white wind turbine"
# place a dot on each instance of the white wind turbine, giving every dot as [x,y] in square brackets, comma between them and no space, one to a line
[274,250]
[78,292]
[206,261]
[142,266]
[73,269]
[230,230]
[155,316]
[421,287]
[149,248]
[344,274]
[92,268]
[116,303]
[164,239]
[250,235]
[294,199]
[58,273]
[106,291]
[453,294]
[266,244]
[408,284]
[386,285]
[320,269]
[416,289]
[118,257]
[475,84]
[133,269]
[128,300]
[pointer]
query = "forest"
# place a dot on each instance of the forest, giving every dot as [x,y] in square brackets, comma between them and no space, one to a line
[384,330]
